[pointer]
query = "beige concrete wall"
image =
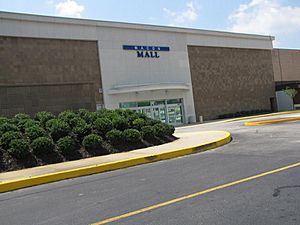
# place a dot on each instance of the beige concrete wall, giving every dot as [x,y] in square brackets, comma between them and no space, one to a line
[286,64]
[228,80]
[48,74]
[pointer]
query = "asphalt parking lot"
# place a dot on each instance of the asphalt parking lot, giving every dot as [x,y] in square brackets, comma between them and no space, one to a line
[270,199]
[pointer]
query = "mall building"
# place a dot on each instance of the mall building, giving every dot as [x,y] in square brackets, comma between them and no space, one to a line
[173,74]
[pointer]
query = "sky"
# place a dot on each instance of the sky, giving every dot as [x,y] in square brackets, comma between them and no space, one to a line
[279,18]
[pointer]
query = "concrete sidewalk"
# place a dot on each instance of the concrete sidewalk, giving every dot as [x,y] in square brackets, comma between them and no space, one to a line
[187,143]
[288,114]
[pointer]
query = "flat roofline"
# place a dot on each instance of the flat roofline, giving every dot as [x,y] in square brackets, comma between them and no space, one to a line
[287,49]
[125,25]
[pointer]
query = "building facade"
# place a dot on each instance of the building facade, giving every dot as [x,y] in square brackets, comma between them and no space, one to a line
[172,74]
[286,64]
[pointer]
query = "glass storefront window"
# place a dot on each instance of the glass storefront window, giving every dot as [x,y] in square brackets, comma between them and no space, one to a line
[160,102]
[174,101]
[142,104]
[128,104]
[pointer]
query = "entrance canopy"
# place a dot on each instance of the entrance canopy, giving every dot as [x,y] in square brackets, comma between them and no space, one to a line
[127,88]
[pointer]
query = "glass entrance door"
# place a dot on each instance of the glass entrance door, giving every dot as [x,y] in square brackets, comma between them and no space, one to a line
[175,114]
[167,110]
[159,113]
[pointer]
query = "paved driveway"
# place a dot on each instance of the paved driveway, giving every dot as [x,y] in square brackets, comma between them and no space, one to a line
[270,199]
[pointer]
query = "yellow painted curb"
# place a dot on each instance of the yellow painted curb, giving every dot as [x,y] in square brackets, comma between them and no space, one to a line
[263,115]
[51,177]
[266,122]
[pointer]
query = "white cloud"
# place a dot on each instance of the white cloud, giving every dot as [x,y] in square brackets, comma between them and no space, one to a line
[185,17]
[69,8]
[265,17]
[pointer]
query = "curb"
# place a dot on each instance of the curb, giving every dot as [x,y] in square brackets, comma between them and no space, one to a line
[266,122]
[52,177]
[263,115]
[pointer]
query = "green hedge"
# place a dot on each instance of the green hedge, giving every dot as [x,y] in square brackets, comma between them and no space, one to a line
[72,130]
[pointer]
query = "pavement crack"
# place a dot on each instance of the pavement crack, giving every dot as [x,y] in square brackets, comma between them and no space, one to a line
[278,190]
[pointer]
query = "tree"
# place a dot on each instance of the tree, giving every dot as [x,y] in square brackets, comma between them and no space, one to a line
[291,92]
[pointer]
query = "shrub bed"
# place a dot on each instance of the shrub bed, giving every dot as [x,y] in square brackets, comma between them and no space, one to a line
[75,135]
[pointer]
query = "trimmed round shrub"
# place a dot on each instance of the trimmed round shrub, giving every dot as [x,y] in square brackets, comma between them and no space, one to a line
[44,116]
[66,116]
[102,125]
[76,122]
[88,117]
[35,132]
[132,117]
[170,130]
[138,123]
[103,113]
[50,123]
[82,131]
[92,142]
[66,145]
[22,124]
[161,130]
[3,120]
[18,148]
[59,129]
[115,137]
[31,123]
[132,135]
[120,123]
[148,132]
[42,145]
[7,137]
[21,116]
[82,112]
[152,122]
[5,127]
[122,112]
[141,115]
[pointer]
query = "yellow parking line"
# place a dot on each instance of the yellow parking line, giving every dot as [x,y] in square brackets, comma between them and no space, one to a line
[112,219]
[272,121]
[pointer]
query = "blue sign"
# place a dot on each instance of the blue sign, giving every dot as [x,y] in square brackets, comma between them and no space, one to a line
[146,48]
[146,51]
